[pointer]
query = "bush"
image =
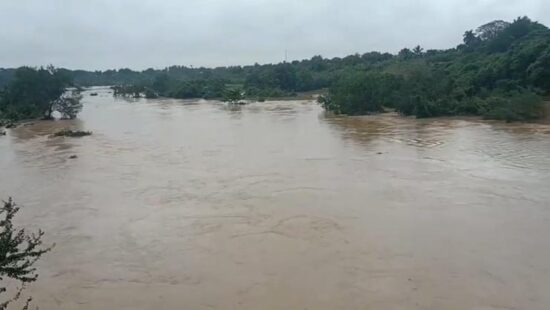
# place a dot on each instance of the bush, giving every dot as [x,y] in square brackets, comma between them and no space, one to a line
[517,106]
[233,96]
[19,252]
[33,93]
[355,93]
[72,133]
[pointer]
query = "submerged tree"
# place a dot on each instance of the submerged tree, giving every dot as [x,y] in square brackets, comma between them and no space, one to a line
[69,105]
[33,93]
[19,252]
[233,96]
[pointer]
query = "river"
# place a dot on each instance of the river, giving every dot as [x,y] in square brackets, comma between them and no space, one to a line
[176,204]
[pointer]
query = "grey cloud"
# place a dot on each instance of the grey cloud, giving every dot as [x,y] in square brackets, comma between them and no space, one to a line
[101,34]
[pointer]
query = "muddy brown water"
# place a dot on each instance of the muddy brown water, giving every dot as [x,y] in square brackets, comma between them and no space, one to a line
[176,204]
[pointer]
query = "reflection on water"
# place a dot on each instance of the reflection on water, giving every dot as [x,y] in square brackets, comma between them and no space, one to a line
[194,204]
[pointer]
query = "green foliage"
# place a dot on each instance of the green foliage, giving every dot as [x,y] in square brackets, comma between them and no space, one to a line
[69,105]
[196,89]
[161,84]
[405,54]
[497,73]
[491,30]
[233,96]
[356,93]
[133,91]
[19,252]
[33,93]
[538,72]
[470,39]
[150,94]
[515,106]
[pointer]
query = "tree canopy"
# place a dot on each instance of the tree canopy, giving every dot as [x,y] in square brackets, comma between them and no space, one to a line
[499,72]
[19,252]
[34,93]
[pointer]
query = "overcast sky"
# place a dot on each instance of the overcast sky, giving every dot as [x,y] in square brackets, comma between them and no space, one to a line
[102,34]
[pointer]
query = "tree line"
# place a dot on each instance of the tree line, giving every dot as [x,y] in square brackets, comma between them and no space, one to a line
[501,70]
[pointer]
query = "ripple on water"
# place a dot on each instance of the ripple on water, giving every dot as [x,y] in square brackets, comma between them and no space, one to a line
[279,205]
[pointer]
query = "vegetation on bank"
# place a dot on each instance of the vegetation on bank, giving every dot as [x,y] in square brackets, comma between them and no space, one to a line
[38,93]
[499,71]
[19,252]
[234,96]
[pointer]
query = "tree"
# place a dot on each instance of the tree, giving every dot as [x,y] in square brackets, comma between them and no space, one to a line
[539,71]
[520,27]
[317,63]
[514,106]
[285,75]
[470,39]
[69,105]
[133,91]
[491,30]
[19,252]
[160,84]
[150,94]
[405,54]
[304,81]
[233,96]
[418,51]
[33,93]
[355,93]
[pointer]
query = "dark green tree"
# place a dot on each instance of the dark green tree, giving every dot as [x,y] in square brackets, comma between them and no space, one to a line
[161,83]
[69,105]
[470,39]
[33,93]
[355,93]
[234,96]
[19,252]
[491,30]
[405,54]
[418,51]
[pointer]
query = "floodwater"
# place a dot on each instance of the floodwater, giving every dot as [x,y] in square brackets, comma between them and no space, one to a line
[193,205]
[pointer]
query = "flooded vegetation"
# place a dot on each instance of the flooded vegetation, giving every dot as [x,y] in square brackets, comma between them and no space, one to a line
[72,133]
[169,157]
[198,204]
